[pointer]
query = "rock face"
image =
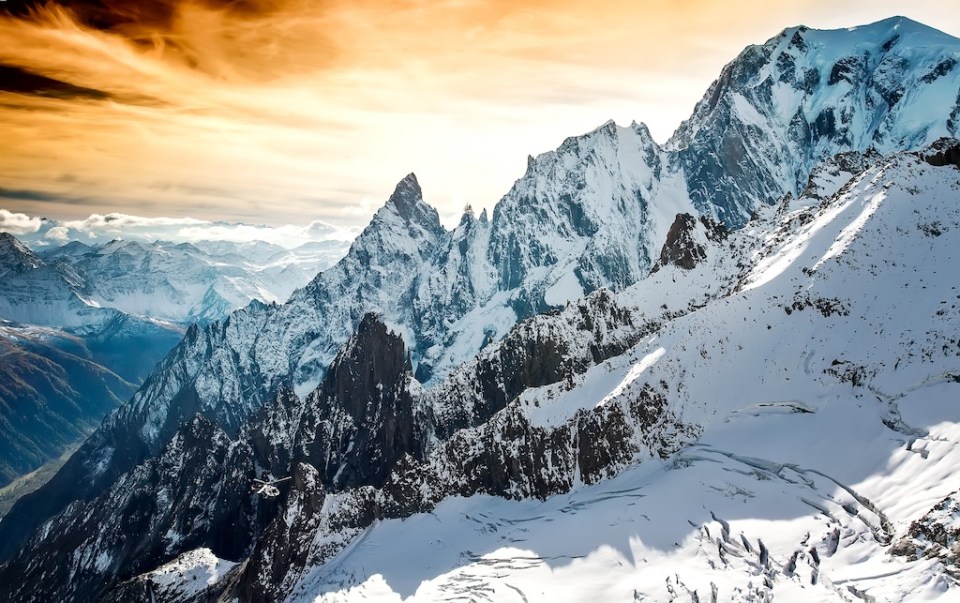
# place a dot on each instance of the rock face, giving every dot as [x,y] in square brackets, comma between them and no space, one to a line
[15,257]
[683,246]
[322,387]
[758,506]
[936,535]
[285,543]
[943,152]
[502,453]
[541,351]
[363,438]
[360,422]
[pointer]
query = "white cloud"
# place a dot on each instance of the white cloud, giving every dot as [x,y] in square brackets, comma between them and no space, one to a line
[59,234]
[288,236]
[119,222]
[103,227]
[18,224]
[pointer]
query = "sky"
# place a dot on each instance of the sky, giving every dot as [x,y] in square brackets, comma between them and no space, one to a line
[302,112]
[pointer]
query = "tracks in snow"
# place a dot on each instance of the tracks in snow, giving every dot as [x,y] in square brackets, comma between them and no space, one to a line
[880,526]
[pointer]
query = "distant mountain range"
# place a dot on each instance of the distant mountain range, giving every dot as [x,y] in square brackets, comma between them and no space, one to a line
[725,367]
[82,326]
[180,283]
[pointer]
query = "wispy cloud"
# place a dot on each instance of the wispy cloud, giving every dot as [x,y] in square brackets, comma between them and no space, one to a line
[286,236]
[19,80]
[294,110]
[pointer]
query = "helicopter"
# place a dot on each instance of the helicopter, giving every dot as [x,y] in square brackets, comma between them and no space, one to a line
[267,488]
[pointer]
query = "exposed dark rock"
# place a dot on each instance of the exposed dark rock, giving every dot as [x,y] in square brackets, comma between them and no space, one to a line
[846,70]
[943,68]
[943,152]
[282,548]
[499,453]
[506,456]
[359,422]
[363,446]
[682,248]
[936,535]
[825,125]
[541,351]
[826,307]
[797,41]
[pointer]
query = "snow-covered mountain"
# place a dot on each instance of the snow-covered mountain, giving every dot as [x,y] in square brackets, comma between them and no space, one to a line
[186,283]
[83,325]
[66,361]
[78,286]
[48,294]
[712,386]
[684,434]
[804,96]
[594,212]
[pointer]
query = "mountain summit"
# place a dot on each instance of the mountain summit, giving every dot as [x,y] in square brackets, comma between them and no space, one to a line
[15,256]
[407,201]
[805,95]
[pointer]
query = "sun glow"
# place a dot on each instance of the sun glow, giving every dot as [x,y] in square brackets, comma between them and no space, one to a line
[287,112]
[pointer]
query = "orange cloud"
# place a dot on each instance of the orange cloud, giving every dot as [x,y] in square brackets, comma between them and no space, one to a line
[295,109]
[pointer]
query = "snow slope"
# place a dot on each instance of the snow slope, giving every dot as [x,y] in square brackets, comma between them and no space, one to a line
[826,389]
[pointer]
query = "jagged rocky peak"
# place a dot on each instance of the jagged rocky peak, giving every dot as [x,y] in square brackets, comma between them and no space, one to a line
[407,202]
[405,225]
[586,209]
[592,214]
[116,245]
[612,145]
[374,357]
[467,221]
[686,244]
[360,421]
[15,256]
